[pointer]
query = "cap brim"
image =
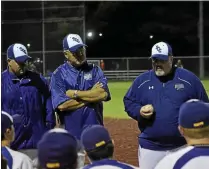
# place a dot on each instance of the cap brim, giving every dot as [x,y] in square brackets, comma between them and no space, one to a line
[74,48]
[22,59]
[159,56]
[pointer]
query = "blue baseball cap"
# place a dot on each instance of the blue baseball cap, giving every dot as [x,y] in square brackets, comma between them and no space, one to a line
[72,42]
[94,136]
[57,149]
[18,52]
[7,121]
[194,114]
[161,50]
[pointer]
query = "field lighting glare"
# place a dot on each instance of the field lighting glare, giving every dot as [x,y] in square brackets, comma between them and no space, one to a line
[90,34]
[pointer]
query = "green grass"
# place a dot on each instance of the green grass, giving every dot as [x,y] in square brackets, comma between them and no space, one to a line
[115,107]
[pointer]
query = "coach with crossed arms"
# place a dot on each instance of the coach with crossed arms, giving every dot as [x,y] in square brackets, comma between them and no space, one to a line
[154,100]
[78,88]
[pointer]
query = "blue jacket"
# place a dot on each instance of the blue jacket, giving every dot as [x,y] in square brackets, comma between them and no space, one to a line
[66,77]
[166,95]
[30,98]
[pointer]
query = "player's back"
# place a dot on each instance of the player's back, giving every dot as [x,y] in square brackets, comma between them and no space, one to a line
[109,164]
[186,158]
[16,160]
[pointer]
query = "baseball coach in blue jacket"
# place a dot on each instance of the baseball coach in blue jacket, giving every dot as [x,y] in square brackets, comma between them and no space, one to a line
[154,100]
[78,88]
[26,94]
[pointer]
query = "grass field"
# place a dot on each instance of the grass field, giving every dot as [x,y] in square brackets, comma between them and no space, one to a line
[115,107]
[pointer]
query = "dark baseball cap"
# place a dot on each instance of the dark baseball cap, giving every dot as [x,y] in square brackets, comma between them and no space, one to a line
[94,136]
[18,52]
[194,114]
[161,50]
[72,42]
[8,120]
[57,149]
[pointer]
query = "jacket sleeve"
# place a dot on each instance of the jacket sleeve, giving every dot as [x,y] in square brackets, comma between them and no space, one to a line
[132,105]
[58,90]
[50,114]
[200,90]
[100,77]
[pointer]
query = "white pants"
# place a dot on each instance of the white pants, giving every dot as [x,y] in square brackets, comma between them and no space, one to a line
[148,159]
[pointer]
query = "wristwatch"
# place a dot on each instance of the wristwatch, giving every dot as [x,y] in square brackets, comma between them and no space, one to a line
[75,94]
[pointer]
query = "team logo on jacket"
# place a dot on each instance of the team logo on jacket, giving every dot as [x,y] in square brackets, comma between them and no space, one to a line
[179,86]
[88,76]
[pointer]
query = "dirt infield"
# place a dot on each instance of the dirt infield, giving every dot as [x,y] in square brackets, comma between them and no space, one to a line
[124,132]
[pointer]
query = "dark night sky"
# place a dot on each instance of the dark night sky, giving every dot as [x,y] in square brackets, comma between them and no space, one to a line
[126,27]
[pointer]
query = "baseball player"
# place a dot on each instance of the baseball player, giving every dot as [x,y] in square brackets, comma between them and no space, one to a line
[194,126]
[27,94]
[15,160]
[100,148]
[154,100]
[58,149]
[78,88]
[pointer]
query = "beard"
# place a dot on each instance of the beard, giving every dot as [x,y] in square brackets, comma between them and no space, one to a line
[159,71]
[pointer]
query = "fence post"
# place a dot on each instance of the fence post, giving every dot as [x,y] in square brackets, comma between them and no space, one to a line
[201,41]
[127,66]
[43,39]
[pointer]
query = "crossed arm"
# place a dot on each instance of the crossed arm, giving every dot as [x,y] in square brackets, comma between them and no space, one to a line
[80,98]
[73,99]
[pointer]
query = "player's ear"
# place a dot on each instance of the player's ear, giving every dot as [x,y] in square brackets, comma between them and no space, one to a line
[113,142]
[9,62]
[181,130]
[66,53]
[171,59]
[8,133]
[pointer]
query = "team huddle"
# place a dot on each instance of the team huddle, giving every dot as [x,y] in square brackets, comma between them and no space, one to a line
[60,125]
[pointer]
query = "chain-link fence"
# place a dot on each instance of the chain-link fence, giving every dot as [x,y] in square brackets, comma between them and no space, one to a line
[41,26]
[191,63]
[56,58]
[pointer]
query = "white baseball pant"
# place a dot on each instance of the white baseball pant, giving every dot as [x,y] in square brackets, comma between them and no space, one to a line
[148,159]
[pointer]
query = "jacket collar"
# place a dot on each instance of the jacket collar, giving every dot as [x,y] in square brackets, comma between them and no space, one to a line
[12,75]
[16,78]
